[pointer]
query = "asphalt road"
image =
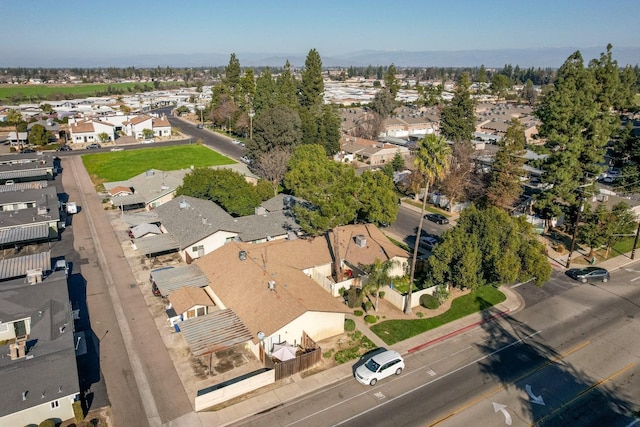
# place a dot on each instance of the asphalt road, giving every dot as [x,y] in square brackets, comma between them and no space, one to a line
[572,357]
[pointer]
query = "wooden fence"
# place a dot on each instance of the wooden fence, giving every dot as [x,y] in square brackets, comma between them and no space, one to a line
[310,358]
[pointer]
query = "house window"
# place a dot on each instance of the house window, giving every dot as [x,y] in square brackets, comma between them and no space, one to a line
[4,327]
[54,404]
[197,248]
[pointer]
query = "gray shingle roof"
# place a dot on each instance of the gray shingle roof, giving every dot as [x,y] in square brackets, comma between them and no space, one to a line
[50,366]
[191,219]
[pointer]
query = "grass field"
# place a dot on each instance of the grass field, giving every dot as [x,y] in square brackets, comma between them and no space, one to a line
[393,331]
[42,92]
[122,165]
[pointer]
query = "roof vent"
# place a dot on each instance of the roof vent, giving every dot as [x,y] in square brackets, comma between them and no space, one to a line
[242,255]
[150,172]
[184,204]
[271,285]
[361,241]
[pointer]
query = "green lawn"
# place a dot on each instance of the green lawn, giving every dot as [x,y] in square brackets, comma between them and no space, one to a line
[37,92]
[393,331]
[427,208]
[122,165]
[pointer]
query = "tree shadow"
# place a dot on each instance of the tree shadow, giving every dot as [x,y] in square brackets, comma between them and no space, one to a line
[518,358]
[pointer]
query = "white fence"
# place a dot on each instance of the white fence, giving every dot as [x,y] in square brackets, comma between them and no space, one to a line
[235,387]
[398,300]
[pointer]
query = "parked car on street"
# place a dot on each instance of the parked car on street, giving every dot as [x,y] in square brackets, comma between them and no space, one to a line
[589,274]
[428,242]
[380,366]
[437,218]
[93,146]
[147,141]
[64,148]
[27,150]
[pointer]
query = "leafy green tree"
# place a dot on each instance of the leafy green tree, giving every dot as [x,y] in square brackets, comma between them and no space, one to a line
[529,93]
[390,81]
[329,130]
[266,95]
[628,88]
[225,187]
[329,188]
[146,133]
[577,122]
[482,75]
[504,180]
[377,277]
[38,135]
[499,85]
[488,247]
[104,137]
[432,162]
[398,163]
[232,76]
[287,88]
[603,227]
[47,108]
[247,89]
[457,120]
[383,103]
[378,200]
[277,127]
[312,87]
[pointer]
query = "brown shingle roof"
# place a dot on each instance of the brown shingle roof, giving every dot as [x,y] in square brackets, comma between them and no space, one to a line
[184,298]
[243,285]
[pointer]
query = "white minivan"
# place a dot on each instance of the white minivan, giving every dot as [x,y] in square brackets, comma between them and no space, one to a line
[380,366]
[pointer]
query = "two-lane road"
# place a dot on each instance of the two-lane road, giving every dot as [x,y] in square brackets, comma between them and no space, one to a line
[570,358]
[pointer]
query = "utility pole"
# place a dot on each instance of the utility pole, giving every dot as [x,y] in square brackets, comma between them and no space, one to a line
[635,242]
[575,226]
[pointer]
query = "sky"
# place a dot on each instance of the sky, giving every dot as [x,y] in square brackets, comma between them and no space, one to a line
[71,29]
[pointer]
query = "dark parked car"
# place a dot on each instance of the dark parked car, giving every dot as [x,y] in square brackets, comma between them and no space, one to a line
[589,274]
[92,146]
[437,218]
[27,150]
[64,148]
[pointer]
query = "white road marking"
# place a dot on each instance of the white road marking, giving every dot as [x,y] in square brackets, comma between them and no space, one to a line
[413,389]
[379,395]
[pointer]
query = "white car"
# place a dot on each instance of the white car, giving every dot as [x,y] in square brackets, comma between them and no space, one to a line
[235,141]
[117,149]
[147,141]
[380,366]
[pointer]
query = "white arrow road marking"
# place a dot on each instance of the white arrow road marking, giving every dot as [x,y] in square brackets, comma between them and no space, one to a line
[634,279]
[379,395]
[534,399]
[502,408]
[631,270]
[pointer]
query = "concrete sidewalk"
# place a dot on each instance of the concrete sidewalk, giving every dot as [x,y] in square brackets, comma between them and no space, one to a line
[298,386]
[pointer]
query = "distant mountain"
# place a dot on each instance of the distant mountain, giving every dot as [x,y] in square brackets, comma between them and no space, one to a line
[543,57]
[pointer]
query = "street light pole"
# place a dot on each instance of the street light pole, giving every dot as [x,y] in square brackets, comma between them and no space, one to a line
[635,242]
[251,114]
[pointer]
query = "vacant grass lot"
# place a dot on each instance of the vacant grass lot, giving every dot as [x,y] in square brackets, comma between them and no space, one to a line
[393,331]
[122,165]
[36,92]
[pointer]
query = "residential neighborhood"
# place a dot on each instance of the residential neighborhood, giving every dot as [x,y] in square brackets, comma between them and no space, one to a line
[310,244]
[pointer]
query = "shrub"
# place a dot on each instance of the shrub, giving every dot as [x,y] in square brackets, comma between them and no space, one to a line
[78,413]
[442,293]
[349,325]
[368,306]
[381,294]
[370,318]
[357,313]
[429,301]
[327,354]
[420,314]
[47,423]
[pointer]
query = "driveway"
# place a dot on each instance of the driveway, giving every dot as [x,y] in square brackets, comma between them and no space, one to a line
[142,383]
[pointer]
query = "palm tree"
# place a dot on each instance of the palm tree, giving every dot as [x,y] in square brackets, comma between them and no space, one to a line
[377,277]
[432,161]
[15,118]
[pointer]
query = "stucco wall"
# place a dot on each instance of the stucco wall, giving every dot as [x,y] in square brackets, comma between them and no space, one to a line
[37,414]
[318,325]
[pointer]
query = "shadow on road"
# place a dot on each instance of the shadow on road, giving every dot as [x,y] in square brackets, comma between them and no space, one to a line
[551,386]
